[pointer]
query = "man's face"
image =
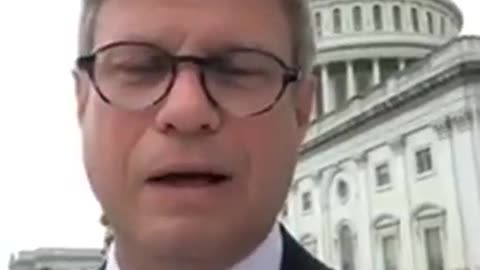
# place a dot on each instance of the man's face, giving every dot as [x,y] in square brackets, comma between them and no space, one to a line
[186,138]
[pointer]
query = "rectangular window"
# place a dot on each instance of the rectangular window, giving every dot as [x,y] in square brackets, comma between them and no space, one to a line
[307,201]
[383,175]
[433,246]
[423,159]
[389,252]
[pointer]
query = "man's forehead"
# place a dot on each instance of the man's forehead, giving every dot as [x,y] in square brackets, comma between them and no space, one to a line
[268,6]
[224,23]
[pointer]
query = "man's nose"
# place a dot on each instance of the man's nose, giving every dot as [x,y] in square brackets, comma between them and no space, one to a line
[187,108]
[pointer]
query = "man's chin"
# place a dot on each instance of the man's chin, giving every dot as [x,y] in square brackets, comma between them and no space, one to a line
[184,238]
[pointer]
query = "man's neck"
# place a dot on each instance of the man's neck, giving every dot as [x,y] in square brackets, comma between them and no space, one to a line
[267,255]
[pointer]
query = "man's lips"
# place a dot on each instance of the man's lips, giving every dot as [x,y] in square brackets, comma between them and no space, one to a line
[189,178]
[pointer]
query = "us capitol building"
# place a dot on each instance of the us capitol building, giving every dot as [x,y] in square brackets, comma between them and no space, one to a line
[389,175]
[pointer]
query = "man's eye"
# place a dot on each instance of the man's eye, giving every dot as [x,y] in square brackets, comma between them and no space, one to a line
[235,70]
[141,67]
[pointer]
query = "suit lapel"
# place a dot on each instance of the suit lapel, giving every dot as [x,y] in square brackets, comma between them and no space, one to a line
[103,266]
[295,257]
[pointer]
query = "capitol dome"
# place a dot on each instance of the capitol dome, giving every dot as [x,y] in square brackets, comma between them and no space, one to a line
[360,43]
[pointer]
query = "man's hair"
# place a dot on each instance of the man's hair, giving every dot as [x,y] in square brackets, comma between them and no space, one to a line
[297,11]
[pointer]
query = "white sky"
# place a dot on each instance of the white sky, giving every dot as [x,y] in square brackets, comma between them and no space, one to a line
[44,198]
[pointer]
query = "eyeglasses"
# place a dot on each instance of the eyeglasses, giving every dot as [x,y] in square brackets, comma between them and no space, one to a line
[137,75]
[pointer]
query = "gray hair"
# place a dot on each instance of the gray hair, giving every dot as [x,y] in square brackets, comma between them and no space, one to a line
[299,16]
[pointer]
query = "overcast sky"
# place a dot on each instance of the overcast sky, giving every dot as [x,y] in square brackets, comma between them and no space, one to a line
[44,198]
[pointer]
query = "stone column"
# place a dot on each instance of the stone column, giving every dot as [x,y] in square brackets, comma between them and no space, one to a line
[402,64]
[314,111]
[328,104]
[399,165]
[364,209]
[376,72]
[467,182]
[351,83]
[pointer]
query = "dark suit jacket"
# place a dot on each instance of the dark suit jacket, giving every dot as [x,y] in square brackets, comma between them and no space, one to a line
[294,256]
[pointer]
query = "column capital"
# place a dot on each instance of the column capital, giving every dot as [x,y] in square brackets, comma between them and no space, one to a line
[462,120]
[443,127]
[360,159]
[397,144]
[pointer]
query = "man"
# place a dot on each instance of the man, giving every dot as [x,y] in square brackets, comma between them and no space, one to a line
[192,113]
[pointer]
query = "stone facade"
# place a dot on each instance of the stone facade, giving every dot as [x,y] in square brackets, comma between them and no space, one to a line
[389,177]
[57,259]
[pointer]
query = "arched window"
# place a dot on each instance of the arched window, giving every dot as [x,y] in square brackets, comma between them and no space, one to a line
[357,19]
[415,24]
[318,22]
[430,220]
[430,22]
[337,20]
[397,18]
[346,248]
[377,17]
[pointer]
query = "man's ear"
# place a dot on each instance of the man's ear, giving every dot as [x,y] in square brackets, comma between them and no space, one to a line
[81,93]
[306,101]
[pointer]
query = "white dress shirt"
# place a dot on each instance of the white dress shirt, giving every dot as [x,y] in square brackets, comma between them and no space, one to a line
[267,256]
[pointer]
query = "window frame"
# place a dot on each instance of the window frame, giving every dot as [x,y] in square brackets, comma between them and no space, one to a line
[387,186]
[352,241]
[387,226]
[303,201]
[431,217]
[427,173]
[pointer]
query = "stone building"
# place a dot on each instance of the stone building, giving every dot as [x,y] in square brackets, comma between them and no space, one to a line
[389,174]
[57,259]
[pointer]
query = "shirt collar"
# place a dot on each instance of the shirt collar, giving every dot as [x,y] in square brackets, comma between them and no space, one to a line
[267,256]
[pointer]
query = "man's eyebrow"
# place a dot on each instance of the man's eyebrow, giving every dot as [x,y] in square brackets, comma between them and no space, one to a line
[136,38]
[234,46]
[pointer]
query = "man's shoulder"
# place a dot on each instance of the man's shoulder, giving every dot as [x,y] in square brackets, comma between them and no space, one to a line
[295,257]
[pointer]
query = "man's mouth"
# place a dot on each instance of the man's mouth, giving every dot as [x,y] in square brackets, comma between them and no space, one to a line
[189,179]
